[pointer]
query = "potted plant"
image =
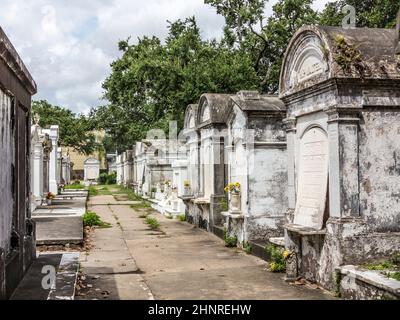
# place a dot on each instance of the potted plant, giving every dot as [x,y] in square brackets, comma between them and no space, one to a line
[234,191]
[49,197]
[186,186]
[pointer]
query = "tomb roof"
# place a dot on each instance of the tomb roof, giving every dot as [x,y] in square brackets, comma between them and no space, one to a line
[318,53]
[191,116]
[213,108]
[11,58]
[253,101]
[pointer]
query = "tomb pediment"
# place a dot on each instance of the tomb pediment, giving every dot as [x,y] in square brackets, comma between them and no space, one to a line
[306,63]
[316,53]
[213,109]
[92,161]
[190,116]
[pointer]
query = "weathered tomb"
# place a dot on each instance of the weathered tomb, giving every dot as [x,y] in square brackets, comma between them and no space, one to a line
[119,164]
[17,230]
[341,89]
[54,171]
[91,170]
[211,125]
[256,150]
[139,167]
[127,160]
[40,149]
[163,161]
[191,135]
[66,169]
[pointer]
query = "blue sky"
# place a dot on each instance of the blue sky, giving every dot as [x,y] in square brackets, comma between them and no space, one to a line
[68,45]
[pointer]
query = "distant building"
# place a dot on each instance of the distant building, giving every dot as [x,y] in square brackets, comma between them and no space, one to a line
[78,159]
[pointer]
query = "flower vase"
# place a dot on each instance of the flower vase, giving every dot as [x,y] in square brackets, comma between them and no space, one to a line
[235,206]
[186,191]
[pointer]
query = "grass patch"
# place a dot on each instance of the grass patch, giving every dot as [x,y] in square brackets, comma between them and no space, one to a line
[91,219]
[142,205]
[393,275]
[247,247]
[278,261]
[230,241]
[182,217]
[152,223]
[93,191]
[143,215]
[74,187]
[382,265]
[168,216]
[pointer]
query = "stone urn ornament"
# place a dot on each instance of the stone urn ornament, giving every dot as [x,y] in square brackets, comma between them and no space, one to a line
[235,198]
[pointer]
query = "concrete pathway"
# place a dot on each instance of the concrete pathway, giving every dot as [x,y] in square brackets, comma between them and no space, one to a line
[130,261]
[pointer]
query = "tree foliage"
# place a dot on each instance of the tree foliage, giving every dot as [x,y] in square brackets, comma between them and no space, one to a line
[153,82]
[264,39]
[369,13]
[75,130]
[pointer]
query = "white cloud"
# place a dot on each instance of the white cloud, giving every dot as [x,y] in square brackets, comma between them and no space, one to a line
[69,45]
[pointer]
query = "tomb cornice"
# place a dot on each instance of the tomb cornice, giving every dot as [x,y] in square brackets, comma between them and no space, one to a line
[290,124]
[267,145]
[340,114]
[13,61]
[310,92]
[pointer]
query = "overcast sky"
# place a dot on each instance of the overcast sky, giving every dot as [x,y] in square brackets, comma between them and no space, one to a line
[68,45]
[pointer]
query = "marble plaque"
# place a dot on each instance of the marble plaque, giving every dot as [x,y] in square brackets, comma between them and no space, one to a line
[313,179]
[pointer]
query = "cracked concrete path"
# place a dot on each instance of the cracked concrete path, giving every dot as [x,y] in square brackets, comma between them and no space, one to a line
[130,261]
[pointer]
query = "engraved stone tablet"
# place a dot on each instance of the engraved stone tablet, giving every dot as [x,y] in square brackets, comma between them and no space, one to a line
[313,179]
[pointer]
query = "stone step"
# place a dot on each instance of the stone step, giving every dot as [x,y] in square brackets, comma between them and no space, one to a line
[219,231]
[66,266]
[258,249]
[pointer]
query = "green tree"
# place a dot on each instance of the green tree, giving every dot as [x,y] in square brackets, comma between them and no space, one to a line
[369,13]
[264,39]
[153,82]
[75,130]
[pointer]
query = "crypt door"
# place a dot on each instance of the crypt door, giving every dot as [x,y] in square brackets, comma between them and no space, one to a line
[312,180]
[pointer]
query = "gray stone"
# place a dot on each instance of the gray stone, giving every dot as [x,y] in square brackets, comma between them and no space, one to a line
[356,107]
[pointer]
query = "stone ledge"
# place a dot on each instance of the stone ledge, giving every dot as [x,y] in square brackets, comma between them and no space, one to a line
[234,216]
[201,201]
[186,198]
[371,277]
[278,241]
[304,231]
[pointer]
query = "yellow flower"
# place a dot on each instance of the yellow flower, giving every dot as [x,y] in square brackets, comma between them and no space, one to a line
[237,184]
[286,254]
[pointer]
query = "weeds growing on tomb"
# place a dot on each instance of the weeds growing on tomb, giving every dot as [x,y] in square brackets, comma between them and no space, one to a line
[230,241]
[277,258]
[394,275]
